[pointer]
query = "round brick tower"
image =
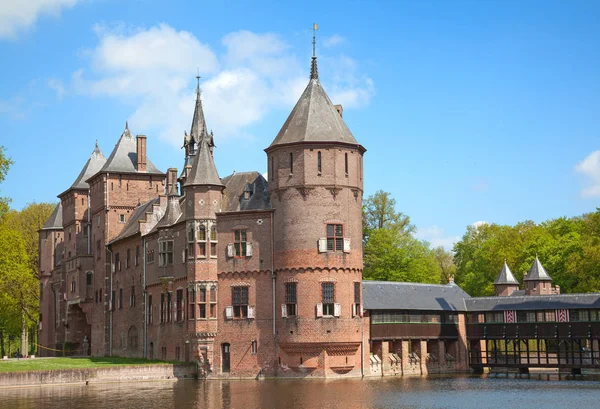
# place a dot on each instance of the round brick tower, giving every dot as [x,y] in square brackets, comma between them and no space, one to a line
[316,186]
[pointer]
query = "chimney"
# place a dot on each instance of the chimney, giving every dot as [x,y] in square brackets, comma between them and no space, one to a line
[339,109]
[172,182]
[141,153]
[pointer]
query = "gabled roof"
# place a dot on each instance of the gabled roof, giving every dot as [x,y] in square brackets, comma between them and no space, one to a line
[235,186]
[391,295]
[204,171]
[92,166]
[506,276]
[123,158]
[54,222]
[314,118]
[537,272]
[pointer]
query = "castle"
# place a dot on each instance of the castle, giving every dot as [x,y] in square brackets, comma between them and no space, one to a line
[249,277]
[241,274]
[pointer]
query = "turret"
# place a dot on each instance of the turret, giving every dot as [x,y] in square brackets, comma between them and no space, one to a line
[316,186]
[538,281]
[506,283]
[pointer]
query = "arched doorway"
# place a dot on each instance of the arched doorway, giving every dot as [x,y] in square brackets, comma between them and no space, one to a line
[151,351]
[132,341]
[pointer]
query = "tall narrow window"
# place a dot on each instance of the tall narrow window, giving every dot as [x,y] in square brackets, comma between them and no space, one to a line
[117,262]
[150,309]
[202,241]
[290,299]
[169,298]
[163,310]
[291,163]
[240,302]
[191,240]
[240,243]
[319,162]
[328,298]
[335,237]
[213,241]
[346,162]
[213,302]
[137,255]
[192,304]
[202,303]
[356,306]
[120,298]
[179,305]
[127,258]
[165,253]
[132,297]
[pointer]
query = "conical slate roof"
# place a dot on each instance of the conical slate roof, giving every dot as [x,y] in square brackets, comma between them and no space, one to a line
[54,222]
[123,158]
[537,272]
[314,118]
[506,276]
[198,130]
[172,213]
[92,166]
[204,171]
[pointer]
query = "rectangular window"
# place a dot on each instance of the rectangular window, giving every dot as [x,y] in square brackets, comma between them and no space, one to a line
[117,262]
[169,301]
[97,248]
[357,293]
[240,302]
[202,303]
[213,241]
[128,258]
[291,163]
[179,305]
[290,299]
[335,237]
[137,255]
[254,347]
[328,298]
[201,241]
[191,304]
[213,303]
[150,256]
[132,297]
[165,253]
[88,278]
[73,286]
[120,298]
[346,163]
[163,309]
[121,218]
[96,296]
[150,309]
[240,242]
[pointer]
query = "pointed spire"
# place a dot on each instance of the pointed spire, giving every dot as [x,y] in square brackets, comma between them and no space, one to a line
[506,276]
[203,171]
[314,71]
[537,272]
[127,125]
[198,130]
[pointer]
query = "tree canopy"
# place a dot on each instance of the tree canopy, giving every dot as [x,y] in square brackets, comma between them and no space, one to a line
[391,252]
[569,249]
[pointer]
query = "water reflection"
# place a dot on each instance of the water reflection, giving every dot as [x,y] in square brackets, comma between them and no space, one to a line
[392,393]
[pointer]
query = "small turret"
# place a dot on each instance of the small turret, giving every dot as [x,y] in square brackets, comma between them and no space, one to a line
[506,282]
[538,281]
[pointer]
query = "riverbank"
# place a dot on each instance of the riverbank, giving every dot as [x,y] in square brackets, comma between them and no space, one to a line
[51,371]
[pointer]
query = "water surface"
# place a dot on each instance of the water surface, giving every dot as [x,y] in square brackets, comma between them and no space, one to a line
[376,393]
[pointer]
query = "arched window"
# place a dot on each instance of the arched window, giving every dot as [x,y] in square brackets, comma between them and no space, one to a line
[319,162]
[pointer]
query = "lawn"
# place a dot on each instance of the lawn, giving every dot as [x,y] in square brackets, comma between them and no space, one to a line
[45,364]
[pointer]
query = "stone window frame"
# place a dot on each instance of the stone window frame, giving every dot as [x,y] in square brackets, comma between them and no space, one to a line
[240,243]
[240,301]
[291,299]
[179,303]
[328,299]
[165,253]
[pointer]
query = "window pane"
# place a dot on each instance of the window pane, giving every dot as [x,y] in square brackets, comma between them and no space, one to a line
[330,244]
[244,295]
[328,296]
[202,233]
[237,235]
[290,293]
[339,244]
[357,293]
[203,295]
[330,230]
[338,230]
[243,235]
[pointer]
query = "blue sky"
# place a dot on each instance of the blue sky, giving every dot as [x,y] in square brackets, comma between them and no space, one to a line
[470,110]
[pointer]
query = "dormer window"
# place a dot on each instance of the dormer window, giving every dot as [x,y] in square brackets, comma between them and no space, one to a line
[246,195]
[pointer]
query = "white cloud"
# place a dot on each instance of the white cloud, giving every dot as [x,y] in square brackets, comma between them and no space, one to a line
[436,236]
[333,40]
[58,86]
[590,169]
[153,70]
[19,15]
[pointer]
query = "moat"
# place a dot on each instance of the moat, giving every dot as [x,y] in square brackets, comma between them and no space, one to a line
[389,393]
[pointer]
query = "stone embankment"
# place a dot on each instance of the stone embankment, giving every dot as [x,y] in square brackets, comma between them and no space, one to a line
[98,375]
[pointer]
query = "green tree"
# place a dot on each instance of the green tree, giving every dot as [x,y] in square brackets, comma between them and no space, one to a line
[445,262]
[379,212]
[5,163]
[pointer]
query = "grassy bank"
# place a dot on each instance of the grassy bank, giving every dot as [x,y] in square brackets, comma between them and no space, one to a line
[45,364]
